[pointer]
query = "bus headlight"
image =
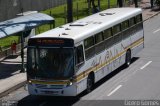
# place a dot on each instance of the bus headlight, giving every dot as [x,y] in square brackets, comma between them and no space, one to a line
[69,83]
[30,82]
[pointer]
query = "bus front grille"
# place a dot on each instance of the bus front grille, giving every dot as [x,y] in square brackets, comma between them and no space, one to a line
[43,86]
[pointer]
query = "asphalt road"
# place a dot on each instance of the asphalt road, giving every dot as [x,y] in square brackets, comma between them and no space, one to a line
[140,81]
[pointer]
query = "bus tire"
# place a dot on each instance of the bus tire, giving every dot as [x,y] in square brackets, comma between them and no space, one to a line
[90,83]
[128,58]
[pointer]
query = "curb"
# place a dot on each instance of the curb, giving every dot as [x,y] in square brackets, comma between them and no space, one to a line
[15,87]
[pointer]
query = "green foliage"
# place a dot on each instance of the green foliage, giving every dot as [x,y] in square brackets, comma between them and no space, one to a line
[6,42]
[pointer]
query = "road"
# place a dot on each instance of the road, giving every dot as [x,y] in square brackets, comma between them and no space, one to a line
[140,81]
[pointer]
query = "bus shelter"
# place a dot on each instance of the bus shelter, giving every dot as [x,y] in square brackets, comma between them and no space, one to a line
[24,26]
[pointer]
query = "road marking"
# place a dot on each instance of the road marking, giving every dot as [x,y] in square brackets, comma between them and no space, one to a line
[146,65]
[114,90]
[156,30]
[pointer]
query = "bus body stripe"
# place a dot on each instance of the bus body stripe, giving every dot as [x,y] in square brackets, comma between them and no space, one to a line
[81,75]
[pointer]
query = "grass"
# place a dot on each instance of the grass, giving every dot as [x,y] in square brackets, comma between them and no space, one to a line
[6,42]
[59,14]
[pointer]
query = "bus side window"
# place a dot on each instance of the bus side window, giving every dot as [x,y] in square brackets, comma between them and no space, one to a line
[125,28]
[131,22]
[108,38]
[138,18]
[99,42]
[139,22]
[116,29]
[125,25]
[79,55]
[89,45]
[107,33]
[99,37]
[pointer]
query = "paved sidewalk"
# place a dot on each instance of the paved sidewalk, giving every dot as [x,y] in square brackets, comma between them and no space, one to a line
[10,76]
[147,11]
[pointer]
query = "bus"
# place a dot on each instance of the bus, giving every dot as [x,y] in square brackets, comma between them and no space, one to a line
[70,59]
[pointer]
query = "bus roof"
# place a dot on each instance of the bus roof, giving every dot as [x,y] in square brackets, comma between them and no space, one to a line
[83,28]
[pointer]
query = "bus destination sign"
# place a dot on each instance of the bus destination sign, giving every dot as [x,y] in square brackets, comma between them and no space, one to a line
[51,42]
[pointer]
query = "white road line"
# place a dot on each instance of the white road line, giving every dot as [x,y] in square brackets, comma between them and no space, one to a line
[146,65]
[156,30]
[114,90]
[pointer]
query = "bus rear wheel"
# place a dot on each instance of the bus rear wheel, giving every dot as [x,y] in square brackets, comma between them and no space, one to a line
[128,58]
[90,83]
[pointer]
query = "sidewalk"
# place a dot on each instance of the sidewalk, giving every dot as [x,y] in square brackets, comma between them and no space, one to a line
[147,11]
[10,76]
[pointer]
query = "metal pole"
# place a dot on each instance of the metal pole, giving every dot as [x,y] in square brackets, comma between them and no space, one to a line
[22,53]
[69,11]
[151,1]
[136,3]
[120,3]
[108,3]
[50,13]
[99,5]
[89,6]
[77,11]
[65,15]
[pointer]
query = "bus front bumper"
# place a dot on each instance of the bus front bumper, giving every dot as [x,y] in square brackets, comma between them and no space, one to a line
[52,90]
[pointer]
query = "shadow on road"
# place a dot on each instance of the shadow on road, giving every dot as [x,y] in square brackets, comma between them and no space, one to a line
[109,76]
[11,57]
[10,66]
[47,101]
[115,72]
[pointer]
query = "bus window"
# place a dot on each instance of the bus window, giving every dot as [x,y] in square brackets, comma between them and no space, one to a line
[117,38]
[116,29]
[99,37]
[99,42]
[131,22]
[107,33]
[89,47]
[108,38]
[139,23]
[125,25]
[109,42]
[89,42]
[138,18]
[79,55]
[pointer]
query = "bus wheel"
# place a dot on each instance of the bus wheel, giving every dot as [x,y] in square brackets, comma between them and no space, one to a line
[128,58]
[90,83]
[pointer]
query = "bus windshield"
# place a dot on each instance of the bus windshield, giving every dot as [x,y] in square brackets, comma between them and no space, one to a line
[50,63]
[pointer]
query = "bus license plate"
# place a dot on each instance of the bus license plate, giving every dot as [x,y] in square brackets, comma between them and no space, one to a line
[50,92]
